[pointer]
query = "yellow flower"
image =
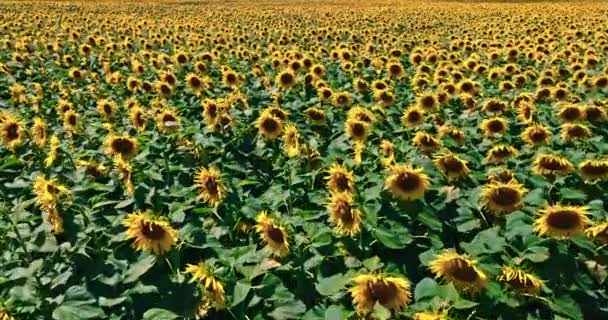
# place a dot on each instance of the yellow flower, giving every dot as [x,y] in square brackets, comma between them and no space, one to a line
[39,131]
[501,198]
[11,132]
[356,130]
[291,143]
[125,171]
[460,270]
[598,232]
[53,152]
[149,233]
[571,113]
[500,152]
[168,121]
[574,131]
[494,126]
[107,108]
[520,281]
[393,293]
[560,221]
[213,287]
[343,214]
[412,117]
[536,134]
[123,146]
[138,118]
[316,115]
[594,170]
[340,179]
[426,142]
[273,235]
[286,79]
[211,187]
[49,193]
[451,165]
[269,126]
[406,183]
[551,165]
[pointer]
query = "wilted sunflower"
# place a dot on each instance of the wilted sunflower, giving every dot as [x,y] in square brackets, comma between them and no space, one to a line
[594,170]
[500,152]
[499,174]
[426,142]
[213,288]
[451,165]
[272,234]
[343,214]
[574,131]
[598,232]
[340,179]
[551,165]
[413,117]
[393,293]
[460,270]
[123,146]
[356,130]
[536,134]
[494,106]
[494,126]
[454,133]
[149,233]
[12,133]
[521,281]
[500,197]
[559,221]
[210,185]
[406,183]
[39,131]
[291,141]
[269,126]
[316,115]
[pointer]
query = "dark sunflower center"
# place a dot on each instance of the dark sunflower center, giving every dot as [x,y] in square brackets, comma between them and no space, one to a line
[414,116]
[428,102]
[466,87]
[563,219]
[139,119]
[517,284]
[462,270]
[270,125]
[168,118]
[358,129]
[571,113]
[326,94]
[122,146]
[495,126]
[286,78]
[538,136]
[428,141]
[382,292]
[170,79]
[593,114]
[501,153]
[595,169]
[577,132]
[40,132]
[315,115]
[181,58]
[152,231]
[505,196]
[231,78]
[212,110]
[12,131]
[107,109]
[551,164]
[164,89]
[342,99]
[380,86]
[72,120]
[211,186]
[395,69]
[195,82]
[408,181]
[453,165]
[364,117]
[275,234]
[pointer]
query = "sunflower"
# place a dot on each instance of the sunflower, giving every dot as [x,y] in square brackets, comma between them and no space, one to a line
[203,274]
[413,117]
[269,126]
[494,126]
[502,197]
[53,151]
[406,183]
[12,133]
[273,235]
[571,113]
[574,131]
[500,152]
[451,165]
[164,89]
[211,111]
[395,69]
[387,149]
[342,99]
[427,101]
[356,130]
[194,83]
[431,315]
[595,114]
[340,179]
[393,293]
[5,315]
[325,94]
[536,134]
[526,112]
[343,214]
[460,270]
[39,131]
[551,165]
[594,170]
[167,121]
[286,79]
[520,281]
[499,174]
[169,78]
[454,133]
[426,142]
[494,106]
[138,118]
[361,114]
[598,232]
[123,146]
[291,141]
[211,186]
[149,233]
[317,116]
[107,108]
[560,221]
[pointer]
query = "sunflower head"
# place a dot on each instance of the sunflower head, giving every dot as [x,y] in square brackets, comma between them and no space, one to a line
[12,132]
[426,142]
[559,221]
[536,134]
[574,131]
[413,117]
[273,234]
[286,79]
[494,126]
[594,170]
[269,126]
[210,185]
[167,121]
[204,275]
[571,113]
[520,281]
[356,130]
[317,116]
[340,179]
[291,141]
[460,270]
[500,153]
[123,146]
[452,166]
[598,232]
[343,214]
[427,102]
[393,293]
[39,131]
[549,165]
[149,233]
[406,183]
[500,197]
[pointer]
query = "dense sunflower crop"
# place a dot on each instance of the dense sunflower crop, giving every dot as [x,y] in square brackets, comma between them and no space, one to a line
[318,160]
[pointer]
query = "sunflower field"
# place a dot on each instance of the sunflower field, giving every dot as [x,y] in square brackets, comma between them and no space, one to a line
[313,160]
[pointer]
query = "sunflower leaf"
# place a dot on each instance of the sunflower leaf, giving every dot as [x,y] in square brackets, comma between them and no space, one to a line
[139,268]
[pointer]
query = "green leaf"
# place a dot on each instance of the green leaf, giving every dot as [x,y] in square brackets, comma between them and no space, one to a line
[334,313]
[380,312]
[293,310]
[331,285]
[566,306]
[241,289]
[572,194]
[485,242]
[393,239]
[426,288]
[73,310]
[536,254]
[110,302]
[159,314]
[139,268]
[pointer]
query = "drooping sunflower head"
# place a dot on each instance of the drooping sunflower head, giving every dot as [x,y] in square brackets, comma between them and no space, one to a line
[138,118]
[551,165]
[123,146]
[598,232]
[526,112]
[204,275]
[451,165]
[269,126]
[210,185]
[500,153]
[494,126]
[559,221]
[273,234]
[426,142]
[574,131]
[343,214]
[536,134]
[340,179]
[406,183]
[520,281]
[149,232]
[317,116]
[291,140]
[595,113]
[460,270]
[12,132]
[594,169]
[356,130]
[39,131]
[571,113]
[500,197]
[393,293]
[413,117]
[494,106]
